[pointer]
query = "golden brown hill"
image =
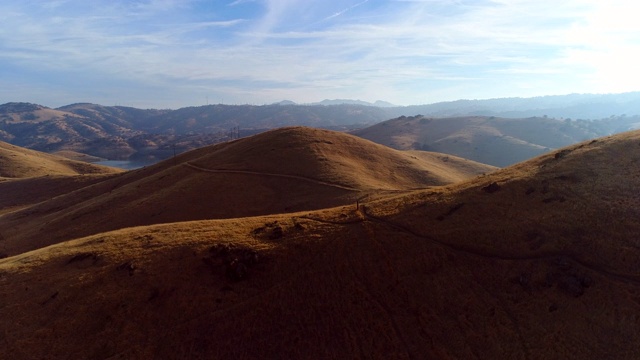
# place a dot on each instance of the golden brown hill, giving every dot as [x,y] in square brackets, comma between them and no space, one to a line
[490,140]
[284,170]
[74,155]
[337,158]
[18,162]
[536,261]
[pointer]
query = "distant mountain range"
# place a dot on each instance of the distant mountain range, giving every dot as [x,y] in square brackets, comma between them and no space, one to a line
[118,132]
[573,106]
[378,103]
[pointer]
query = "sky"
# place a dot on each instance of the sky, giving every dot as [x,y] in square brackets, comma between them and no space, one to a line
[177,53]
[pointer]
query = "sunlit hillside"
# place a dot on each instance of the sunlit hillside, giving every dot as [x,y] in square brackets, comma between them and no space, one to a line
[18,162]
[285,170]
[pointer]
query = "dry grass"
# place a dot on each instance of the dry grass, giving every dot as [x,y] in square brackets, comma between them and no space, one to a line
[22,193]
[285,170]
[539,265]
[74,155]
[336,158]
[586,189]
[17,162]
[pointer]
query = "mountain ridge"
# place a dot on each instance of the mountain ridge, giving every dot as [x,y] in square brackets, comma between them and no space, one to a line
[119,133]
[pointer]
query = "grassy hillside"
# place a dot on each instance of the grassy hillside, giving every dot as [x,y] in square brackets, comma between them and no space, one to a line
[25,192]
[285,170]
[17,162]
[536,261]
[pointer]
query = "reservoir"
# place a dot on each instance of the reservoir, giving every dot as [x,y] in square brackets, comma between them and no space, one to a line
[124,164]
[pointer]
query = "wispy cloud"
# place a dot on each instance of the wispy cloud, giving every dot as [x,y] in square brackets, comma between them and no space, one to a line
[346,9]
[263,51]
[239,2]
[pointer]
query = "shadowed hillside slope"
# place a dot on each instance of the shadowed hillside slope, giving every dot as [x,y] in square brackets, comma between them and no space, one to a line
[490,140]
[536,261]
[18,162]
[284,170]
[20,193]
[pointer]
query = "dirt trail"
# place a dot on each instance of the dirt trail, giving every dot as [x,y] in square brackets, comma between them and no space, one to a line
[629,278]
[247,172]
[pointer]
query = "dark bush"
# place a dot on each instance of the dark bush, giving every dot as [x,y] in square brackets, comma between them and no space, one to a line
[491,188]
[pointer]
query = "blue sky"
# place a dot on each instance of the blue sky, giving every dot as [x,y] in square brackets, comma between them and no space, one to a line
[170,54]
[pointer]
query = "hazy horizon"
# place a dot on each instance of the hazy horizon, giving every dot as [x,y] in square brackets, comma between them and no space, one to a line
[172,54]
[384,104]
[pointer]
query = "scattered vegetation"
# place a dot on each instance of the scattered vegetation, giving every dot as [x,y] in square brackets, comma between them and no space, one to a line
[272,230]
[127,267]
[491,188]
[450,212]
[235,260]
[90,257]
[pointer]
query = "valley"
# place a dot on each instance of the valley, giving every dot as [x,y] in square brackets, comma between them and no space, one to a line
[488,131]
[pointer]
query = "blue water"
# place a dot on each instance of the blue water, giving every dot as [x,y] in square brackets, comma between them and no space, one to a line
[124,164]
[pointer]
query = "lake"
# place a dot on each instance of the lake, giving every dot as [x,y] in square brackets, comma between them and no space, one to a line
[124,164]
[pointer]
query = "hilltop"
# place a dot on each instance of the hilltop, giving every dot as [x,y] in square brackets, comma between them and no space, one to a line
[18,162]
[284,170]
[534,261]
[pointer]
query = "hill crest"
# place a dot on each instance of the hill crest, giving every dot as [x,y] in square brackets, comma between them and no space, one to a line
[284,170]
[18,162]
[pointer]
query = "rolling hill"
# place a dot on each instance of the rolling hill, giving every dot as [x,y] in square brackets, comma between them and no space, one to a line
[490,140]
[28,177]
[284,170]
[534,261]
[18,162]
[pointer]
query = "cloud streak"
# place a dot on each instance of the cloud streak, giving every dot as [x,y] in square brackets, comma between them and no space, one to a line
[345,10]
